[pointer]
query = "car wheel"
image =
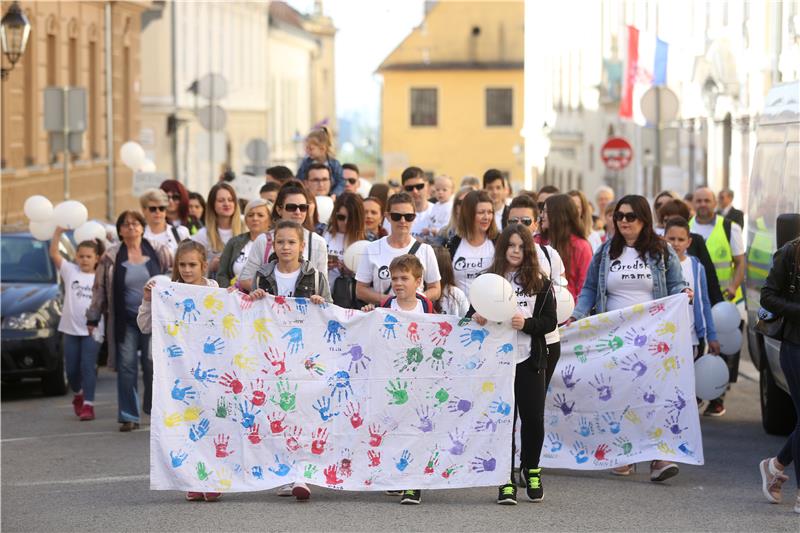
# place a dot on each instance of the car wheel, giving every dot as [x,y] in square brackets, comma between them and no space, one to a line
[777,411]
[55,383]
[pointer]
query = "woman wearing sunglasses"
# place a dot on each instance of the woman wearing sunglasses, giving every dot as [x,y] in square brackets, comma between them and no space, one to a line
[178,208]
[633,267]
[154,204]
[345,227]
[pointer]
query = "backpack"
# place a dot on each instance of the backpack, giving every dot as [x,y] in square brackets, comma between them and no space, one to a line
[343,293]
[427,305]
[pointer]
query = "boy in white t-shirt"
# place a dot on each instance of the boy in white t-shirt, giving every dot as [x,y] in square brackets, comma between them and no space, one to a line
[441,210]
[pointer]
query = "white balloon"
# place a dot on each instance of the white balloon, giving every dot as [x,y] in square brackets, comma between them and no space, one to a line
[160,279]
[565,303]
[493,297]
[70,214]
[353,253]
[42,230]
[38,208]
[324,208]
[710,377]
[364,186]
[730,342]
[147,166]
[726,317]
[132,154]
[89,231]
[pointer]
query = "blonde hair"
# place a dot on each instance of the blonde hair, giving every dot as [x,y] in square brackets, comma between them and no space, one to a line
[322,137]
[258,202]
[185,247]
[212,231]
[153,195]
[452,223]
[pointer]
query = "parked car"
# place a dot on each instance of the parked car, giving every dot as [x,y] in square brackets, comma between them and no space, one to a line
[773,218]
[31,298]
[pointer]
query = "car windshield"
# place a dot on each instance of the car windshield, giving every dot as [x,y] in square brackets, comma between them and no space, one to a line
[25,260]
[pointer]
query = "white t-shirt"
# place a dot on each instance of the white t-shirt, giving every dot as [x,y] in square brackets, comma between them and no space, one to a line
[554,269]
[736,241]
[629,280]
[595,239]
[286,282]
[421,222]
[77,297]
[688,277]
[440,214]
[454,302]
[335,247]
[255,259]
[202,237]
[166,237]
[374,265]
[241,260]
[470,262]
[525,305]
[394,306]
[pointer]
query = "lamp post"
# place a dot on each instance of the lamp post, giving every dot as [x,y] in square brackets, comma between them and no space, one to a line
[14,32]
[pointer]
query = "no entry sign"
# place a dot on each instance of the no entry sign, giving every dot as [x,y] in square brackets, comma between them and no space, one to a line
[616,153]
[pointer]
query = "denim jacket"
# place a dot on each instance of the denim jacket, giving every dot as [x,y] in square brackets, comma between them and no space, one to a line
[701,305]
[667,280]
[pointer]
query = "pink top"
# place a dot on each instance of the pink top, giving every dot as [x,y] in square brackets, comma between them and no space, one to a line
[580,253]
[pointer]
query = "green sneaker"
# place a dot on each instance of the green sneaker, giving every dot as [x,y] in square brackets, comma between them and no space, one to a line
[507,494]
[534,489]
[411,497]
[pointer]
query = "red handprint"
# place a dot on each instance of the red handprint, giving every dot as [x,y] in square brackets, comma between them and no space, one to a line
[277,360]
[281,305]
[376,435]
[374,458]
[231,383]
[319,439]
[221,445]
[245,302]
[413,333]
[331,477]
[656,308]
[661,347]
[346,467]
[276,422]
[439,336]
[254,436]
[259,396]
[293,439]
[601,451]
[353,412]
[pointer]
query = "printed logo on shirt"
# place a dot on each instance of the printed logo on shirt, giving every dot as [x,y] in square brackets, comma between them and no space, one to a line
[521,297]
[81,291]
[477,264]
[383,273]
[633,271]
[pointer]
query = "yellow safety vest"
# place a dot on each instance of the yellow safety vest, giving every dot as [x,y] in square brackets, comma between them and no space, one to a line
[721,256]
[759,257]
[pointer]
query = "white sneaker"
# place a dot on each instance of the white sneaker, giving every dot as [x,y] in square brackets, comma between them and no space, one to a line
[301,491]
[771,481]
[797,503]
[285,490]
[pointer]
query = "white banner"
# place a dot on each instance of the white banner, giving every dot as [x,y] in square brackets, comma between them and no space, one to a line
[253,396]
[623,391]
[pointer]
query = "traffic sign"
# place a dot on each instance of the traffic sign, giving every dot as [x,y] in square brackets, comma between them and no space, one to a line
[616,153]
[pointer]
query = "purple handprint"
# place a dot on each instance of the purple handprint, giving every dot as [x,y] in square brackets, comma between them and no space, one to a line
[357,358]
[459,444]
[425,419]
[560,402]
[566,375]
[459,405]
[673,424]
[676,405]
[632,363]
[602,385]
[649,395]
[484,464]
[486,424]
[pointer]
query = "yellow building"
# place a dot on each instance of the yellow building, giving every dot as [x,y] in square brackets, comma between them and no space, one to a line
[453,92]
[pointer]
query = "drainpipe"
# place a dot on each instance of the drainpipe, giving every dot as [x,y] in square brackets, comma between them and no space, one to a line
[109,117]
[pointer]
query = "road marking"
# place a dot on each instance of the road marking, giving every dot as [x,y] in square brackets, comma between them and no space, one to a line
[85,481]
[60,435]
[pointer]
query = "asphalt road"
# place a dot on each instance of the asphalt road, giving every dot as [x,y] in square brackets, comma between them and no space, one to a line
[59,474]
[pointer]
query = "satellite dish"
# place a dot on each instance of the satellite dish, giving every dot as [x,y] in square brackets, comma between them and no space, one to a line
[212,87]
[212,118]
[257,151]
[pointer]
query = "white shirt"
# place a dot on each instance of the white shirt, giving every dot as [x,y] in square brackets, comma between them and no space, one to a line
[166,237]
[736,241]
[554,269]
[525,305]
[440,214]
[77,297]
[286,282]
[454,302]
[629,280]
[318,259]
[241,260]
[470,262]
[595,238]
[336,248]
[688,277]
[202,237]
[421,222]
[374,265]
[394,306]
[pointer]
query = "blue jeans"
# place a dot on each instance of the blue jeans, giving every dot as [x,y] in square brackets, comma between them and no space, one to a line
[790,364]
[128,374]
[80,361]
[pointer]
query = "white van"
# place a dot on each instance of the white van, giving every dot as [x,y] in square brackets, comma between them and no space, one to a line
[773,218]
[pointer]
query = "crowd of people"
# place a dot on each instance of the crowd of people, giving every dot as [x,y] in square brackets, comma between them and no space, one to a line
[428,240]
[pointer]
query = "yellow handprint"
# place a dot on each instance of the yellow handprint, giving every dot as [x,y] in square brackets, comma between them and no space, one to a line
[213,304]
[224,480]
[633,417]
[656,433]
[663,447]
[638,309]
[248,364]
[173,420]
[610,365]
[667,365]
[260,329]
[190,414]
[586,325]
[667,328]
[174,328]
[230,326]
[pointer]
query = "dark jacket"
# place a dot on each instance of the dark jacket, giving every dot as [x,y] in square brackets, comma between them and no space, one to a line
[337,179]
[309,282]
[230,253]
[699,250]
[776,295]
[734,215]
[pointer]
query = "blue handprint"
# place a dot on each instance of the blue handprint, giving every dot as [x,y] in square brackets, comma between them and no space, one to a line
[323,407]
[205,376]
[584,427]
[197,432]
[257,472]
[174,350]
[295,339]
[177,458]
[340,385]
[566,375]
[425,419]
[248,416]
[302,305]
[404,461]
[332,333]
[190,312]
[602,385]
[213,346]
[579,452]
[281,468]
[389,324]
[471,335]
[555,442]
[613,422]
[649,395]
[633,364]
[506,348]
[500,407]
[560,402]
[684,448]
[182,393]
[484,464]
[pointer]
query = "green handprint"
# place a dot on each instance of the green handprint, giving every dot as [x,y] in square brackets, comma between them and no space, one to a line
[310,471]
[441,396]
[624,444]
[464,321]
[287,398]
[398,391]
[222,408]
[202,475]
[437,358]
[580,352]
[410,360]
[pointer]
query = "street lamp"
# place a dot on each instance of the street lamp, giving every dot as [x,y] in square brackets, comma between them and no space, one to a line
[14,32]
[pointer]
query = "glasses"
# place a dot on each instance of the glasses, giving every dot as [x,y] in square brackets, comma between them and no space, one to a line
[352,181]
[409,217]
[154,208]
[341,218]
[619,216]
[295,207]
[525,221]
[174,197]
[418,186]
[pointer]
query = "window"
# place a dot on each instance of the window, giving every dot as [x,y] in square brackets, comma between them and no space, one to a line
[499,107]
[424,107]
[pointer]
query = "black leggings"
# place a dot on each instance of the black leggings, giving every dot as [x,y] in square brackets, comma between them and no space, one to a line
[530,389]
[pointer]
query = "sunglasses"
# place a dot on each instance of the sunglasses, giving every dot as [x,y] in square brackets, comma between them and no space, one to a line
[175,197]
[409,217]
[525,221]
[418,186]
[295,207]
[154,208]
[628,217]
[341,218]
[352,181]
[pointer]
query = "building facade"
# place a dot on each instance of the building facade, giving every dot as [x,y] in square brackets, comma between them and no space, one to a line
[452,95]
[94,45]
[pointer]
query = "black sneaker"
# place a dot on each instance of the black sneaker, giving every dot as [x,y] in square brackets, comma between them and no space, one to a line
[534,489]
[520,477]
[715,408]
[507,494]
[411,497]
